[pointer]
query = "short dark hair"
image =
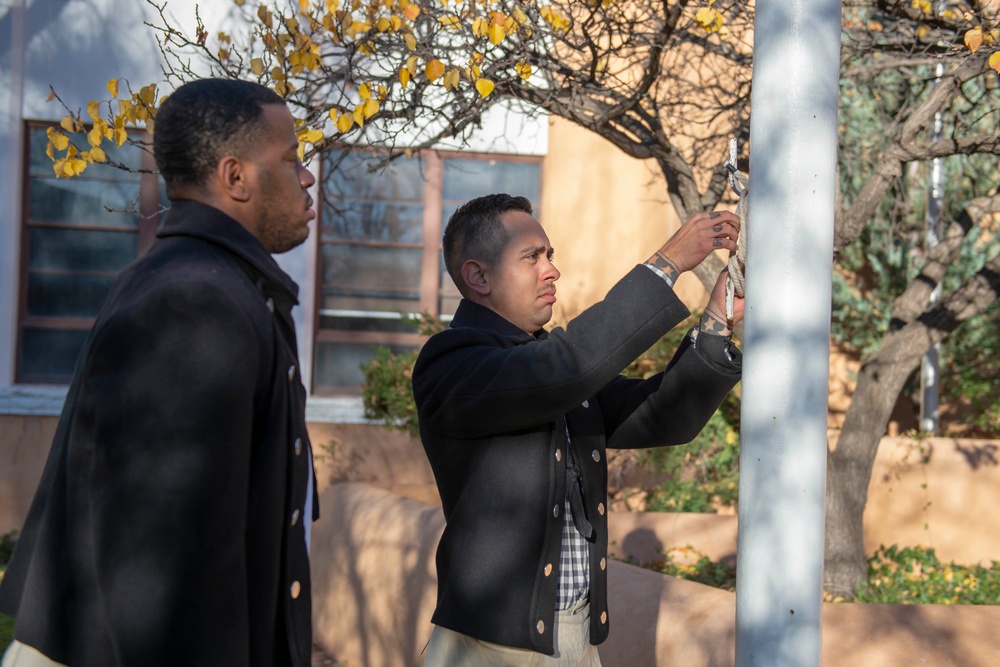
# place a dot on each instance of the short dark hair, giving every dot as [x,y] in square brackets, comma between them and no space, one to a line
[476,231]
[203,121]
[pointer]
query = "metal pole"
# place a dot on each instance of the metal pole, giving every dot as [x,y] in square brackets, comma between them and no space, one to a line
[793,158]
[929,364]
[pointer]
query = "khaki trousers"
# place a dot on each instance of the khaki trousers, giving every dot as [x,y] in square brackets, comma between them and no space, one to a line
[448,648]
[22,655]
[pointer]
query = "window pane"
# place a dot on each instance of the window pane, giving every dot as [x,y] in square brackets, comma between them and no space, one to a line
[83,202]
[349,175]
[66,295]
[48,355]
[77,250]
[127,154]
[338,365]
[359,323]
[468,179]
[374,221]
[373,269]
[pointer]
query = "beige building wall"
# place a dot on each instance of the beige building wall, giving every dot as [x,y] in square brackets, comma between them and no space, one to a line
[604,212]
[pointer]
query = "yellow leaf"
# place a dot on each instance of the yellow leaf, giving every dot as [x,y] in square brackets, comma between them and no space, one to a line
[67,124]
[484,86]
[383,24]
[404,77]
[383,92]
[359,115]
[369,108]
[519,15]
[74,166]
[50,150]
[98,155]
[310,135]
[523,70]
[434,70]
[59,167]
[923,31]
[974,39]
[992,36]
[148,93]
[450,21]
[496,34]
[994,62]
[303,4]
[411,11]
[120,136]
[95,136]
[58,139]
[364,91]
[113,87]
[452,79]
[411,41]
[345,122]
[411,64]
[257,66]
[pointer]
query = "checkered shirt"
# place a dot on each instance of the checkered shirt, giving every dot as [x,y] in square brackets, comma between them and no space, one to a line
[574,556]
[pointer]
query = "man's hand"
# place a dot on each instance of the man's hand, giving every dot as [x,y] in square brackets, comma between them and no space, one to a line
[693,242]
[713,320]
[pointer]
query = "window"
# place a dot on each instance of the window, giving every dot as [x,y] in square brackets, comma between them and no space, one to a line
[380,249]
[75,239]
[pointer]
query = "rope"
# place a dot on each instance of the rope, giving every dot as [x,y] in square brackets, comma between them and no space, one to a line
[736,282]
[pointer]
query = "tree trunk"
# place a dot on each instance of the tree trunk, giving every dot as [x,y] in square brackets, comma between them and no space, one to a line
[879,383]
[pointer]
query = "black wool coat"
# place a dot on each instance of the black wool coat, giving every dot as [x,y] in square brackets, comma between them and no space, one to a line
[494,404]
[167,528]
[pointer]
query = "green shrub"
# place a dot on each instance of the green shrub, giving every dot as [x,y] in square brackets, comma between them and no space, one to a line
[676,562]
[896,575]
[914,575]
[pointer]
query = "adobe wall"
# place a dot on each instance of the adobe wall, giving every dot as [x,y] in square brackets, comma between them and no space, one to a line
[374,588]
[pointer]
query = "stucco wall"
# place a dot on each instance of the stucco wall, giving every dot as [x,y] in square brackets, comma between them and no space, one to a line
[374,587]
[604,212]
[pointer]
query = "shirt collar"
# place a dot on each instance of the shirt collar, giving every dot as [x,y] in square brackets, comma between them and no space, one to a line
[471,314]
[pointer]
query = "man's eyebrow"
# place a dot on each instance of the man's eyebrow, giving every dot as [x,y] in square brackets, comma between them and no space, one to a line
[535,249]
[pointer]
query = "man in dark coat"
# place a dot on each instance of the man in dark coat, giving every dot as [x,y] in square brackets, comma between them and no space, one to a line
[516,421]
[170,526]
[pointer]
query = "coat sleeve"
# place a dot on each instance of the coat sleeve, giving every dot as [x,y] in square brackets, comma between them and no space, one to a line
[470,383]
[673,406]
[164,441]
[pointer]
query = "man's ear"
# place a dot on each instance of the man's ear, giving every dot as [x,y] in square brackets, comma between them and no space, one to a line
[474,275]
[231,176]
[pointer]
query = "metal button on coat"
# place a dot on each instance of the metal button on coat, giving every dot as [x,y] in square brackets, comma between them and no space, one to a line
[295,517]
[555,511]
[548,569]
[558,455]
[291,372]
[604,617]
[541,627]
[298,446]
[270,304]
[296,589]
[597,455]
[600,509]
[586,404]
[604,563]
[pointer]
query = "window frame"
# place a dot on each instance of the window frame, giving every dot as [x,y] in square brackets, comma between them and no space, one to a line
[149,212]
[430,290]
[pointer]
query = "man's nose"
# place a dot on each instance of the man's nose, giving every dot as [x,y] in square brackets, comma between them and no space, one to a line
[306,177]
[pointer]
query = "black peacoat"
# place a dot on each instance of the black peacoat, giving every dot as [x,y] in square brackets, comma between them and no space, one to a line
[167,528]
[494,404]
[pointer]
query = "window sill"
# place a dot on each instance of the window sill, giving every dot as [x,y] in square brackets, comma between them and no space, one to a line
[46,401]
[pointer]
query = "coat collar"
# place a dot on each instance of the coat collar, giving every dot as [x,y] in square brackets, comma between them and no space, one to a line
[471,314]
[201,221]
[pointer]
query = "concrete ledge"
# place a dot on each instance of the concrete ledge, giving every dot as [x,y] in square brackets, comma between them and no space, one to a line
[374,590]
